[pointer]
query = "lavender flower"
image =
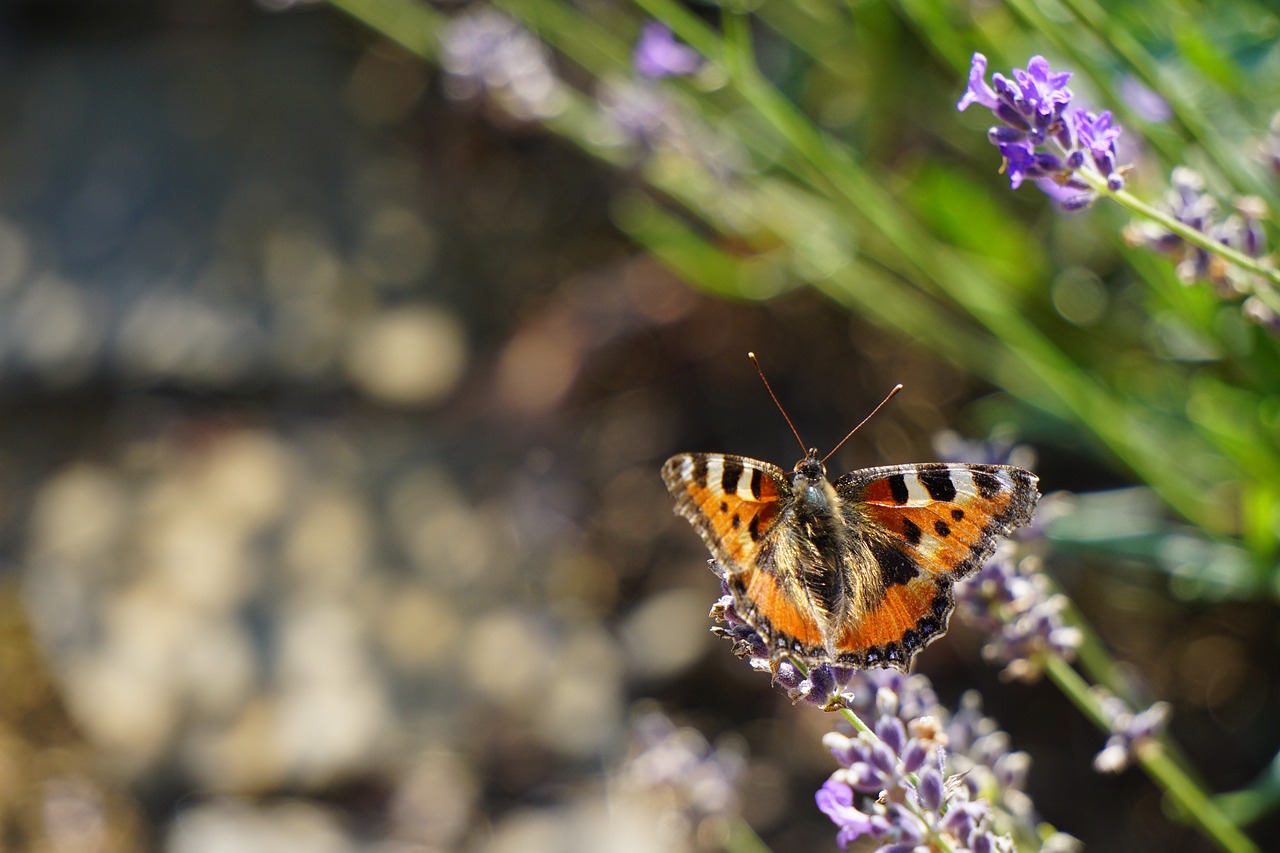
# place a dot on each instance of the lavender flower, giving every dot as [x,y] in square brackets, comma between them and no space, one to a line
[984,755]
[1038,138]
[488,53]
[1188,202]
[822,686]
[926,773]
[1146,103]
[677,765]
[907,800]
[643,115]
[1012,601]
[658,54]
[1268,148]
[923,774]
[997,449]
[640,113]
[1131,733]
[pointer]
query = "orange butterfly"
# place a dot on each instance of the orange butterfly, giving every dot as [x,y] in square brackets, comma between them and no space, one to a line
[856,572]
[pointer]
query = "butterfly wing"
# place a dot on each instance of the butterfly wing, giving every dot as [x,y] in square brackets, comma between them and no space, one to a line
[924,527]
[739,507]
[732,501]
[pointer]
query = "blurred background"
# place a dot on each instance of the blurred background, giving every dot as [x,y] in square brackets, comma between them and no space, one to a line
[332,411]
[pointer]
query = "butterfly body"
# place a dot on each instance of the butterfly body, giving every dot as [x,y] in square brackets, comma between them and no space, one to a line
[855,572]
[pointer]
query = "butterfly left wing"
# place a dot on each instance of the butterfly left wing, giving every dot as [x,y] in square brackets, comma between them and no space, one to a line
[925,526]
[732,501]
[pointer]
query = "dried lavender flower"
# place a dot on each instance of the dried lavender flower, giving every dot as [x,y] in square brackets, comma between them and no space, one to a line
[1146,103]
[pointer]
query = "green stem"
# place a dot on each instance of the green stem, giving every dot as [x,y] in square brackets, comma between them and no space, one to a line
[411,25]
[1192,802]
[743,839]
[856,722]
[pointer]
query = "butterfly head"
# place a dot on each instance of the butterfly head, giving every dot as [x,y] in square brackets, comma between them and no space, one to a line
[809,468]
[809,483]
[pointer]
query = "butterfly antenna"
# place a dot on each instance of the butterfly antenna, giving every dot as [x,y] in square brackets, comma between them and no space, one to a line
[769,388]
[896,389]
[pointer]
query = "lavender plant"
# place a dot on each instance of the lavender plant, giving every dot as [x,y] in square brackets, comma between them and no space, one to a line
[1033,115]
[687,775]
[1241,231]
[1071,155]
[810,199]
[915,775]
[658,54]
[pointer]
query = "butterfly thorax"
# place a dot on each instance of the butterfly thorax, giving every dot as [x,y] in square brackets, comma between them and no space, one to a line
[817,507]
[819,542]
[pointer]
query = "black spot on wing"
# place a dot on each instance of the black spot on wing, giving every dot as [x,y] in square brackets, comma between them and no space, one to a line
[942,528]
[724,507]
[737,521]
[896,566]
[732,472]
[957,515]
[988,484]
[937,482]
[757,477]
[753,528]
[898,489]
[911,530]
[700,471]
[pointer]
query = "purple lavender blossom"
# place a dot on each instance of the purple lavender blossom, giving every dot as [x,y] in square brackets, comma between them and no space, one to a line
[658,54]
[835,800]
[924,772]
[1145,102]
[1011,601]
[488,54]
[1268,149]
[699,780]
[906,799]
[651,120]
[640,113]
[1190,203]
[997,449]
[1131,732]
[822,685]
[1097,135]
[1033,116]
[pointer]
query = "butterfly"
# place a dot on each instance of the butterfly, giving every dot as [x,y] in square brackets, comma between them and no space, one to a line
[857,572]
